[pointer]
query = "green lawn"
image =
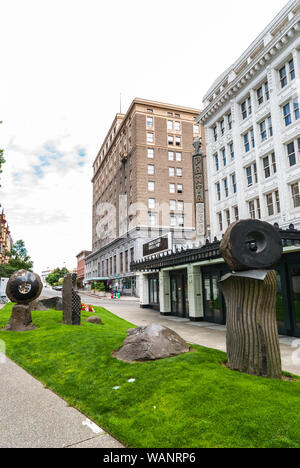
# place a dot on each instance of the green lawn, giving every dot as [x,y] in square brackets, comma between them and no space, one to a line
[188,401]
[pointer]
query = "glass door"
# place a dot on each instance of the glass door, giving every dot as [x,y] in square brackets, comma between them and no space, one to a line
[179,293]
[294,271]
[214,307]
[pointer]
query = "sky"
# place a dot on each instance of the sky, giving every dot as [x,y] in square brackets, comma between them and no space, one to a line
[64,64]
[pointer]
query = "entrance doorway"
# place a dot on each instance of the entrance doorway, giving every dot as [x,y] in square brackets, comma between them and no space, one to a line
[214,307]
[179,293]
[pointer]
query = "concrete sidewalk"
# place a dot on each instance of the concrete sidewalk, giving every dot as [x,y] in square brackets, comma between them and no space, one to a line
[34,417]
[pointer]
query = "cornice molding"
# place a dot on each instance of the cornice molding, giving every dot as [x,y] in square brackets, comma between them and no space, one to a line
[268,54]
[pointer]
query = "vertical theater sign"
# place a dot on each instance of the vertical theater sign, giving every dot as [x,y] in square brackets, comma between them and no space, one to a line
[199,190]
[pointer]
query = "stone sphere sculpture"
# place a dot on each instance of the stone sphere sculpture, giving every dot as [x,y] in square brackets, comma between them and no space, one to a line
[251,245]
[23,287]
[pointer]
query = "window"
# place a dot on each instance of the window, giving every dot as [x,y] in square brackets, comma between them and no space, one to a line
[218,190]
[152,217]
[287,73]
[231,150]
[291,154]
[150,153]
[283,77]
[233,181]
[287,114]
[172,220]
[220,221]
[172,188]
[178,141]
[249,140]
[196,129]
[254,209]
[170,124]
[229,121]
[171,172]
[151,186]
[170,140]
[150,137]
[217,162]
[269,165]
[251,173]
[150,169]
[223,151]
[296,109]
[273,203]
[171,155]
[150,111]
[180,221]
[266,129]
[295,195]
[246,108]
[179,188]
[180,205]
[179,172]
[172,205]
[236,213]
[215,133]
[151,203]
[225,183]
[263,94]
[177,126]
[178,157]
[227,215]
[149,121]
[222,127]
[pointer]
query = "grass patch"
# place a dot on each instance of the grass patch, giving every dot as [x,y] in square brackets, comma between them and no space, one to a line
[187,401]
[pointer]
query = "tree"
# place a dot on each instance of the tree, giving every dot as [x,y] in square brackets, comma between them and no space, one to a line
[18,260]
[54,277]
[2,161]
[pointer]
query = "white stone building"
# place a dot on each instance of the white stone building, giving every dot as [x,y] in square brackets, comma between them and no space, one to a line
[252,123]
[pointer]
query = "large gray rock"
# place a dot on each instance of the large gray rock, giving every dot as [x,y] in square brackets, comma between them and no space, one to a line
[151,343]
[94,319]
[46,303]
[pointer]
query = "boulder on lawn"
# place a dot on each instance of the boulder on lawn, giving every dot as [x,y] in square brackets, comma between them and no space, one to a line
[94,319]
[151,343]
[46,303]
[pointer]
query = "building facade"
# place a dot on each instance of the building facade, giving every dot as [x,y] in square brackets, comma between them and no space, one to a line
[81,258]
[6,241]
[252,124]
[142,189]
[186,283]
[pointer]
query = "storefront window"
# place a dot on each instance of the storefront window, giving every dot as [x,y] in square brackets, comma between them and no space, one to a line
[296,294]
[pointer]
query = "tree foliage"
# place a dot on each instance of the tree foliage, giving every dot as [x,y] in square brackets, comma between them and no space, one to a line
[54,277]
[2,161]
[18,260]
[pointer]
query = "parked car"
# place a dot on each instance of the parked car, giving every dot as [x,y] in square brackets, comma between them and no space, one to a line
[57,288]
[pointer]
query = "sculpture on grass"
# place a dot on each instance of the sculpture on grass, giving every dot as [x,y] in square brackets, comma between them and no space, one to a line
[251,248]
[71,301]
[23,287]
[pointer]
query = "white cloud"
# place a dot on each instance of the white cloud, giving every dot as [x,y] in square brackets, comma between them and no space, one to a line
[63,66]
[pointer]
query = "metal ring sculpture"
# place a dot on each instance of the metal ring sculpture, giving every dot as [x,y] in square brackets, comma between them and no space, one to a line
[24,287]
[251,245]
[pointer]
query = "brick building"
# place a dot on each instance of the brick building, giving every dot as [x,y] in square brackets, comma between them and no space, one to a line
[81,266]
[142,188]
[5,239]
